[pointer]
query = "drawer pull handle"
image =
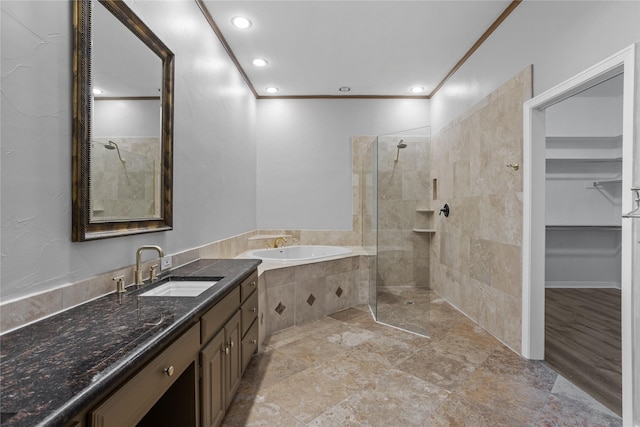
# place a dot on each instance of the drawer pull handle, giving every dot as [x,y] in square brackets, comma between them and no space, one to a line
[169,371]
[253,310]
[253,341]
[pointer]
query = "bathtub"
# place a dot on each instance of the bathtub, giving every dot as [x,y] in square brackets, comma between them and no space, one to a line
[298,253]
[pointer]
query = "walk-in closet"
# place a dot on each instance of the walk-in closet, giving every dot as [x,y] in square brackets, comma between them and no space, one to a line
[583,240]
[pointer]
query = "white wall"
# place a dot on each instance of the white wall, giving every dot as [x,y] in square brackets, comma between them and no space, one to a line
[304,155]
[214,145]
[560,39]
[585,116]
[127,118]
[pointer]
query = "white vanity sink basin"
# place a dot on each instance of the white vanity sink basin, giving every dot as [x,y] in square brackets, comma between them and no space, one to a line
[180,288]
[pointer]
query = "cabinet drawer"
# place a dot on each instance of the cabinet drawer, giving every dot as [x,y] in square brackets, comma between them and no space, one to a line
[215,318]
[249,285]
[140,393]
[249,345]
[249,312]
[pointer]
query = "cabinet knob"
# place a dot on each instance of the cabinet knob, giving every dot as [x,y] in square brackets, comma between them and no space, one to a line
[231,344]
[253,283]
[169,371]
[226,350]
[253,310]
[253,341]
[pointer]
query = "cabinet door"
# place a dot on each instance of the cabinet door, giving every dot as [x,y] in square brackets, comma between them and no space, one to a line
[213,363]
[234,361]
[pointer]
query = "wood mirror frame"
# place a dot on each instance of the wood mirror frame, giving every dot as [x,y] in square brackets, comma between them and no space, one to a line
[83,228]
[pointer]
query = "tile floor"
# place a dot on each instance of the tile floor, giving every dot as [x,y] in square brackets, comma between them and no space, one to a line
[348,370]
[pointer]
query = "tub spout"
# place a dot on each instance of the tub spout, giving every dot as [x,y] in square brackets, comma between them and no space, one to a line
[279,241]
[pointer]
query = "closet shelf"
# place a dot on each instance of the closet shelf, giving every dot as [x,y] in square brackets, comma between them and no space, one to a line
[584,159]
[606,181]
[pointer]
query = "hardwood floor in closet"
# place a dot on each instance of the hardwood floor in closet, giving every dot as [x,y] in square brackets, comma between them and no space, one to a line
[583,340]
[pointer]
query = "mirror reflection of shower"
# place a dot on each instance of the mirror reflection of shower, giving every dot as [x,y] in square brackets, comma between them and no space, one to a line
[400,146]
[123,180]
[112,145]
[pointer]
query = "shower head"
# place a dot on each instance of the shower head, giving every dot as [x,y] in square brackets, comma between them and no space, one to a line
[112,145]
[400,145]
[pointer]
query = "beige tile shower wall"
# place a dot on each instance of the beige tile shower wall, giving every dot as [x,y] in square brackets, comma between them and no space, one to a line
[476,252]
[403,187]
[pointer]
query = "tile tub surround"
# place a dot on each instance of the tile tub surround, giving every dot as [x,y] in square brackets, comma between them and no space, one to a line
[298,292]
[348,370]
[476,252]
[55,368]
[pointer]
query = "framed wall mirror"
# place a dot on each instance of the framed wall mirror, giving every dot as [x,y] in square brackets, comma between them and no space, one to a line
[122,124]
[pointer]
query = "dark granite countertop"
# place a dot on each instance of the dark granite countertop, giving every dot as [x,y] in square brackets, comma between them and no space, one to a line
[51,370]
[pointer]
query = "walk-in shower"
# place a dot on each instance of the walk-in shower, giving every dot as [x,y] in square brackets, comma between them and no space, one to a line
[399,222]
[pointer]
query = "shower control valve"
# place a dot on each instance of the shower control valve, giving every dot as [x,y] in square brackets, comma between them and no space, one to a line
[445,210]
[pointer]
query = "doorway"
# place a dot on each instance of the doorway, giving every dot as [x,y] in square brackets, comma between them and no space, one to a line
[535,213]
[583,194]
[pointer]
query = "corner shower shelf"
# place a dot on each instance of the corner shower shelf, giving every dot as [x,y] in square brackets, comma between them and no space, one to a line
[424,230]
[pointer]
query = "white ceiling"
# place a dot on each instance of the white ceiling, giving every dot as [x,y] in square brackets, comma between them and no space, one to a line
[374,47]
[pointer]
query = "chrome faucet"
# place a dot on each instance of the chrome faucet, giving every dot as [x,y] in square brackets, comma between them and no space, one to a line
[138,272]
[278,240]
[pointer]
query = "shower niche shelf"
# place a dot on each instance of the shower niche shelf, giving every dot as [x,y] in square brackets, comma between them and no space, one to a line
[424,230]
[424,220]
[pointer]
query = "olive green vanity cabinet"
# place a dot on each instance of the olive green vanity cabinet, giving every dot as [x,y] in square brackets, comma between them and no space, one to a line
[192,382]
[225,356]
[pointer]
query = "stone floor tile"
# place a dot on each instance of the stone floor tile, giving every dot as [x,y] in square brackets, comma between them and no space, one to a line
[505,363]
[295,333]
[383,350]
[254,413]
[566,412]
[268,368]
[348,314]
[460,412]
[355,373]
[398,400]
[306,394]
[441,368]
[519,400]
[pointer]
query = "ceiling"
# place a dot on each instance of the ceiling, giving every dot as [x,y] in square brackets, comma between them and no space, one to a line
[375,48]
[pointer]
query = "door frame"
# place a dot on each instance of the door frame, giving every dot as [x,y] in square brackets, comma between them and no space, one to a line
[533,239]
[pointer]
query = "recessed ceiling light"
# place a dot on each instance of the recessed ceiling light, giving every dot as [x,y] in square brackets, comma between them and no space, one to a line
[241,22]
[259,62]
[97,91]
[272,89]
[417,89]
[345,89]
